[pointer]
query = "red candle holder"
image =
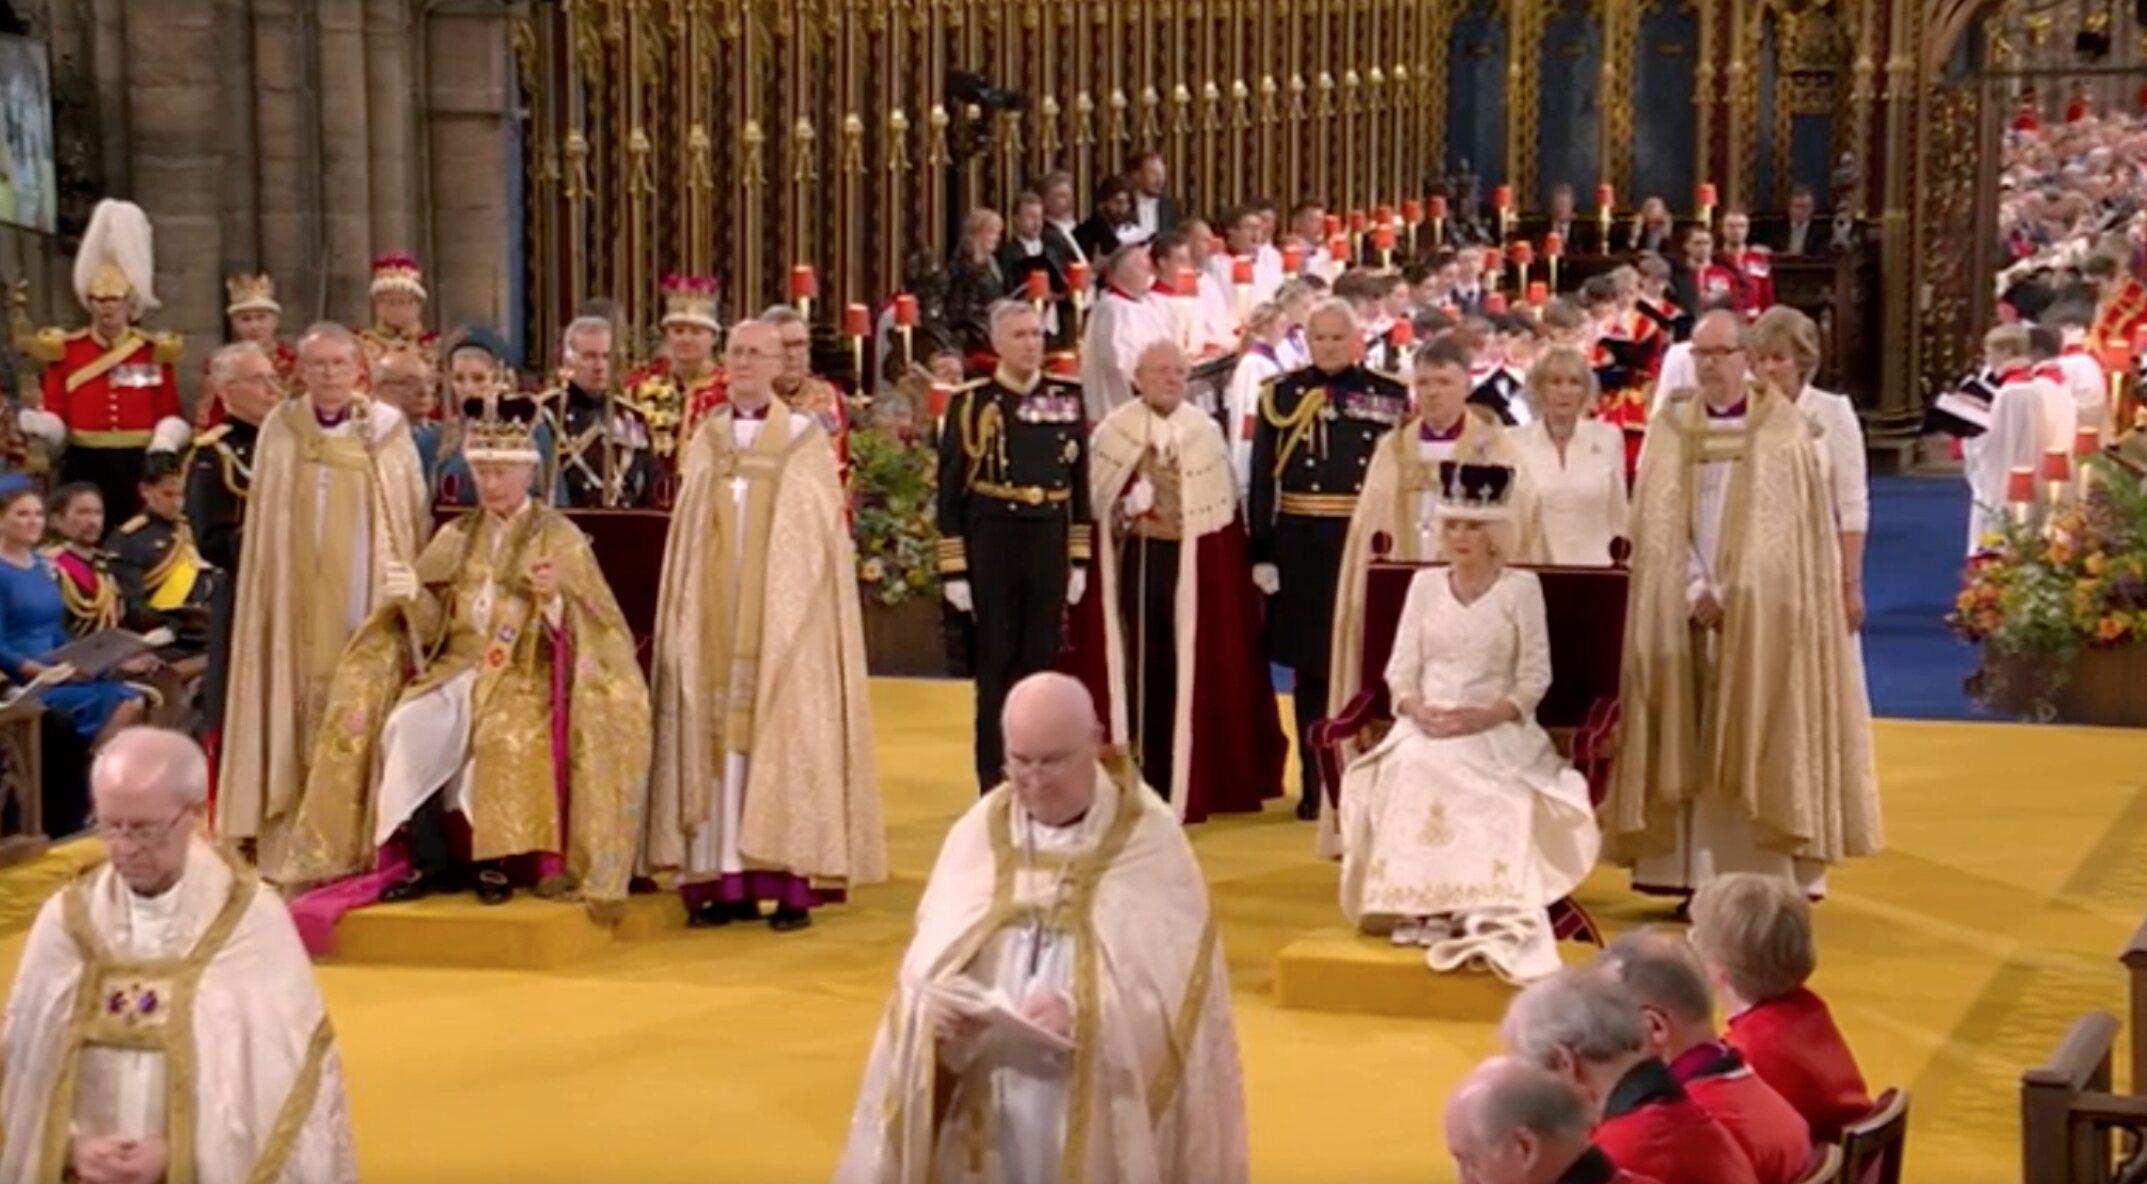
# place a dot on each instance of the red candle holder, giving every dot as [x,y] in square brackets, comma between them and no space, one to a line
[1402,335]
[856,321]
[1383,237]
[1293,260]
[2020,485]
[1523,253]
[1494,302]
[1707,193]
[804,285]
[1077,277]
[2057,465]
[905,311]
[1186,282]
[2086,442]
[1241,272]
[1382,215]
[1338,249]
[1502,198]
[1554,245]
[1412,211]
[1356,222]
[1605,196]
[1437,207]
[1038,286]
[1331,225]
[1538,292]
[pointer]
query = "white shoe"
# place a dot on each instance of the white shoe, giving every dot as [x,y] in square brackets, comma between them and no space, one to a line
[1407,933]
[1432,930]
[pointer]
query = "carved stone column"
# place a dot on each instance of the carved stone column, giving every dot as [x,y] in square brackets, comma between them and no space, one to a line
[285,170]
[345,154]
[390,123]
[177,157]
[469,103]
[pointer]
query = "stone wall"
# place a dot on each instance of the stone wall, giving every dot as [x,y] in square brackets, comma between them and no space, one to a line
[300,137]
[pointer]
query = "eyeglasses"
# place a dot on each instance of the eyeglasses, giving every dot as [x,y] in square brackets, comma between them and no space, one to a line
[137,832]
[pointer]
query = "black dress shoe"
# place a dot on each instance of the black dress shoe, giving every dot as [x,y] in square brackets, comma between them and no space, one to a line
[1308,808]
[711,914]
[417,885]
[787,919]
[493,888]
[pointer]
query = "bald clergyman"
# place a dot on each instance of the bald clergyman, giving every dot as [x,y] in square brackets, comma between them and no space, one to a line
[1110,1054]
[164,1023]
[1509,1122]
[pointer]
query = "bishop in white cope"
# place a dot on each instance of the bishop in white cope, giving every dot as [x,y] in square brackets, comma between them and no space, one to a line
[164,1023]
[1063,1013]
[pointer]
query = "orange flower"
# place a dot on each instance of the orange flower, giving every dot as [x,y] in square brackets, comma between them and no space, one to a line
[2109,629]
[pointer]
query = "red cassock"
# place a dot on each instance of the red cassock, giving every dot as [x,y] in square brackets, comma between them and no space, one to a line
[112,396]
[1774,1136]
[1755,280]
[1651,1127]
[1792,1043]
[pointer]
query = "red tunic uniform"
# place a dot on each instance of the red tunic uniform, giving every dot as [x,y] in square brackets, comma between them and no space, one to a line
[672,407]
[2118,317]
[1719,282]
[111,397]
[1792,1043]
[1755,280]
[1774,1136]
[1649,1126]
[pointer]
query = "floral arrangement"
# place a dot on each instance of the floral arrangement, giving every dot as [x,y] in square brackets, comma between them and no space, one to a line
[2042,590]
[893,478]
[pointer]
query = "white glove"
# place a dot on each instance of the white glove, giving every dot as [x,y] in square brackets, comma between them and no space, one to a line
[171,434]
[397,582]
[1267,578]
[43,424]
[1140,499]
[1076,584]
[957,594]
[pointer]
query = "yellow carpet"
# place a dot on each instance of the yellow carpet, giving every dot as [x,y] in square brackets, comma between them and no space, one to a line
[2018,866]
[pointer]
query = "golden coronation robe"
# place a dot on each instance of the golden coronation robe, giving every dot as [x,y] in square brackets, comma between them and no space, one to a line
[329,504]
[192,1016]
[1746,747]
[763,727]
[1112,912]
[492,674]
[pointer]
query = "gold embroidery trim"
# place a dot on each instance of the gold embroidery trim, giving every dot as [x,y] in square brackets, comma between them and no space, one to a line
[177,1034]
[120,350]
[297,1107]
[1171,1073]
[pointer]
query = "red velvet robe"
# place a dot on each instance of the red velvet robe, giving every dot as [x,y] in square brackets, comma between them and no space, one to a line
[1792,1043]
[1237,747]
[1649,1126]
[1774,1136]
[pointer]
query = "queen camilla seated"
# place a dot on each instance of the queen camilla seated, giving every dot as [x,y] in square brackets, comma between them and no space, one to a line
[1464,825]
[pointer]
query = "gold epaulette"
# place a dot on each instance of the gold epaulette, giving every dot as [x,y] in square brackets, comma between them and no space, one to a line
[167,346]
[209,438]
[133,524]
[48,343]
[971,385]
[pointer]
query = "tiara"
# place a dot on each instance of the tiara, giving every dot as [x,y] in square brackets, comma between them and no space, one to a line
[501,428]
[250,292]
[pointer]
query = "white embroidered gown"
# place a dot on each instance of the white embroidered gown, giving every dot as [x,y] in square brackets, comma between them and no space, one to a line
[1485,831]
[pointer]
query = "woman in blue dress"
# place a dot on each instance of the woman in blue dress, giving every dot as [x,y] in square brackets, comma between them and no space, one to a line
[33,623]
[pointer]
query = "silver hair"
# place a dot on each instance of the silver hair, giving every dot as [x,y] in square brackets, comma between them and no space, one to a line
[1004,310]
[1660,971]
[781,314]
[581,325]
[1589,1015]
[1335,306]
[227,356]
[169,758]
[1526,1098]
[329,331]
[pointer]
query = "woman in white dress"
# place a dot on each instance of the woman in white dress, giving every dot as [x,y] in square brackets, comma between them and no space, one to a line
[1464,825]
[1784,346]
[1576,465]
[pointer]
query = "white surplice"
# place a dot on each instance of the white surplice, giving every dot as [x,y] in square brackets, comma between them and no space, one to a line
[1256,365]
[1022,1083]
[1714,835]
[1119,328]
[1581,493]
[2025,419]
[715,846]
[1486,830]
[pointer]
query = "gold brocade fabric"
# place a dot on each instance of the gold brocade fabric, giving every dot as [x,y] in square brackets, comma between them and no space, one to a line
[290,604]
[1764,716]
[759,650]
[513,763]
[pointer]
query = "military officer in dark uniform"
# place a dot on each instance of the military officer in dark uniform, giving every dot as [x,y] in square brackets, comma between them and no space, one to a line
[219,475]
[1014,526]
[1312,443]
[162,580]
[603,455]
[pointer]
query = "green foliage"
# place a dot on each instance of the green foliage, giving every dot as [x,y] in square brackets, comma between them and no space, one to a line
[893,482]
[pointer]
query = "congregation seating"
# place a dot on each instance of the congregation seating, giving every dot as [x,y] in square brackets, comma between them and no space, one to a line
[2075,1126]
[1873,1151]
[1585,607]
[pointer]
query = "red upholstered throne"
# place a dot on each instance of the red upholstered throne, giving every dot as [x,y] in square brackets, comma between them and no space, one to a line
[1585,607]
